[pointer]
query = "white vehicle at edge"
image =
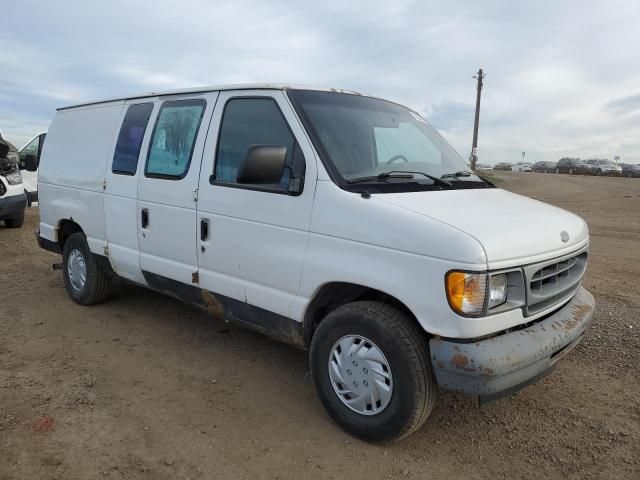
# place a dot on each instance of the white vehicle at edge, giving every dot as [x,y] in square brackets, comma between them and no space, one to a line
[336,222]
[12,196]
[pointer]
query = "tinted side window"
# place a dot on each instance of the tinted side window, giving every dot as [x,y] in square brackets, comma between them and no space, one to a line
[125,157]
[173,139]
[254,121]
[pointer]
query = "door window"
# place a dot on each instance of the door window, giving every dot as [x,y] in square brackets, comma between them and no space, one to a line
[125,157]
[254,121]
[173,139]
[31,148]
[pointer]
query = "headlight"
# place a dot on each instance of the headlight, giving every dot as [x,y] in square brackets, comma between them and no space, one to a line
[477,294]
[497,290]
[14,178]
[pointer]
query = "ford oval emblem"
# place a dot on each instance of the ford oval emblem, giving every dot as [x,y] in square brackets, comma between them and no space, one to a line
[564,236]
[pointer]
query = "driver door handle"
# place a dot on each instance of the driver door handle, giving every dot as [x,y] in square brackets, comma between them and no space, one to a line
[144,218]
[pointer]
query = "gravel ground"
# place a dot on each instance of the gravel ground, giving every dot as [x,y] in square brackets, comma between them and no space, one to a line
[144,387]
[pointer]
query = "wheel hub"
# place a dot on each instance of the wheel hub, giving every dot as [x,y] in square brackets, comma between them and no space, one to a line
[360,375]
[77,270]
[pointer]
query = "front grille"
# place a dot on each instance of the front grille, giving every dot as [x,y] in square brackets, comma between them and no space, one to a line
[552,281]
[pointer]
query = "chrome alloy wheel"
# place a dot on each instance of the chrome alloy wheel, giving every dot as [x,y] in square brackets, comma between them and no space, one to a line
[76,270]
[360,375]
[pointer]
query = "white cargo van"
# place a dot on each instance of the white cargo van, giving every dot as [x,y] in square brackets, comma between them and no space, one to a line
[336,222]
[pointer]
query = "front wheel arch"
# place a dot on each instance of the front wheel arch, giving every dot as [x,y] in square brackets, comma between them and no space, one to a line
[333,295]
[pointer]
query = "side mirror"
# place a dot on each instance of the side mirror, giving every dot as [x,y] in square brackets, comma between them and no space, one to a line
[30,162]
[263,165]
[4,149]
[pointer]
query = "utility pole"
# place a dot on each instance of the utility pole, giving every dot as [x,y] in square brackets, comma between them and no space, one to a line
[474,147]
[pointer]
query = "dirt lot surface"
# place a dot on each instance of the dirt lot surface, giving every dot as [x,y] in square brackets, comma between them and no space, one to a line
[144,387]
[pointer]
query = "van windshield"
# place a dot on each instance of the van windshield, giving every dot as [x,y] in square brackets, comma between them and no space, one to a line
[366,140]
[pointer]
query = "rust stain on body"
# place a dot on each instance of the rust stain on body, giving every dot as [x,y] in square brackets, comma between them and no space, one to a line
[487,372]
[213,305]
[578,314]
[461,361]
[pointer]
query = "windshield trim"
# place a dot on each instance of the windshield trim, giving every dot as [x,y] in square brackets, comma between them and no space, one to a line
[344,183]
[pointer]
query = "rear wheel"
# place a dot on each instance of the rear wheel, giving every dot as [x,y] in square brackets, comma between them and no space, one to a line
[598,172]
[15,222]
[86,282]
[370,366]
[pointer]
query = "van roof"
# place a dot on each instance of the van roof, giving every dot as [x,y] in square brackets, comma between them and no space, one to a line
[213,88]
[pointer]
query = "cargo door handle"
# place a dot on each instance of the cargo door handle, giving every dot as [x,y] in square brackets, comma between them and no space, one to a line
[144,218]
[204,229]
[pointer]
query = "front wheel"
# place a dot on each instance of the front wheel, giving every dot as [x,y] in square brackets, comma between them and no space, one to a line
[371,369]
[16,222]
[85,280]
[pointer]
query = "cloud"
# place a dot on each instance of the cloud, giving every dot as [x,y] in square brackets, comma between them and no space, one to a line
[629,105]
[449,115]
[561,79]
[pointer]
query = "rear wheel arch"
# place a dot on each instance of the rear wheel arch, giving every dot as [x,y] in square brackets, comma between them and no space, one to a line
[336,294]
[66,228]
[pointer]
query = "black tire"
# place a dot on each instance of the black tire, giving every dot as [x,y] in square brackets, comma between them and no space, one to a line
[16,222]
[406,349]
[97,285]
[599,172]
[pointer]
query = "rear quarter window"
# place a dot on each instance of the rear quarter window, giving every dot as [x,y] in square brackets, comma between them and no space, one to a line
[134,125]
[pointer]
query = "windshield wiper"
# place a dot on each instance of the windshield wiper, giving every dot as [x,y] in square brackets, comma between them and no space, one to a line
[399,174]
[461,173]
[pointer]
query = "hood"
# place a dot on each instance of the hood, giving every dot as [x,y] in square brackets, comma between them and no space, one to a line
[512,229]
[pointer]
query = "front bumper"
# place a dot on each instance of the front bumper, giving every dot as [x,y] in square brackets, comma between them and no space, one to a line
[12,206]
[505,363]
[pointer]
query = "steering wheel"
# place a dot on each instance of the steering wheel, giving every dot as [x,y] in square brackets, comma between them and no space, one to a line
[397,157]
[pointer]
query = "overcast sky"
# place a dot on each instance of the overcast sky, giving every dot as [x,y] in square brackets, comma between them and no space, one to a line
[562,77]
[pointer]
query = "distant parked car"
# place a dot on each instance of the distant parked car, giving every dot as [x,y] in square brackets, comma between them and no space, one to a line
[522,167]
[604,167]
[480,167]
[630,170]
[504,166]
[544,167]
[573,166]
